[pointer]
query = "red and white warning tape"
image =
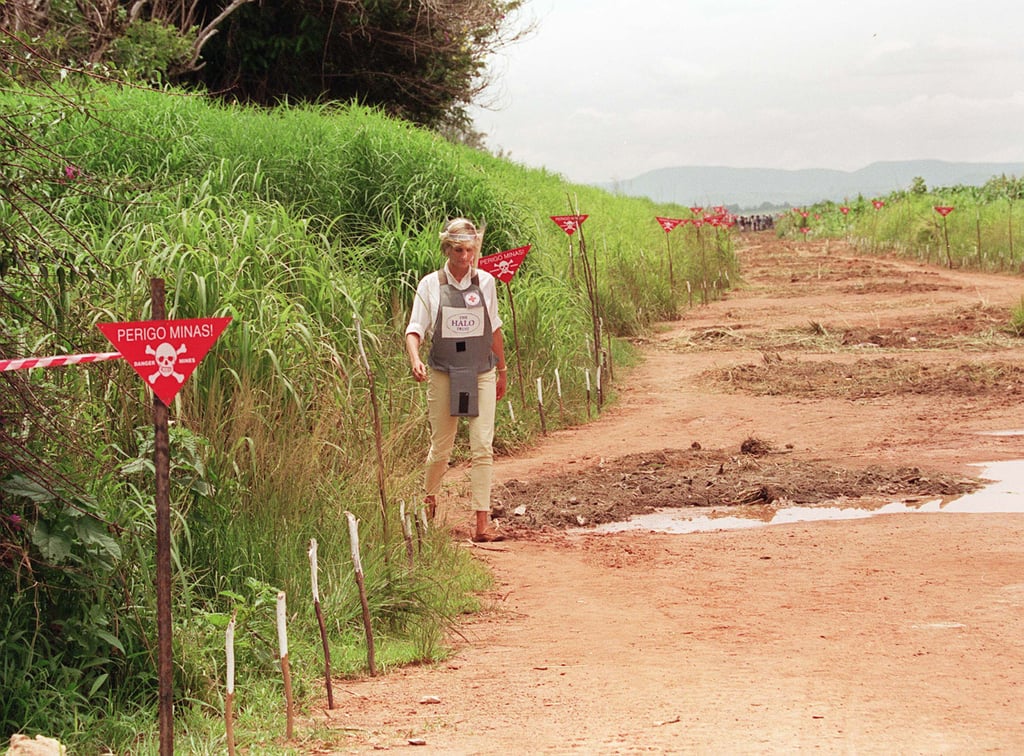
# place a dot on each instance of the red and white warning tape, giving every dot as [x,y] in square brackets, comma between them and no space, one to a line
[44,362]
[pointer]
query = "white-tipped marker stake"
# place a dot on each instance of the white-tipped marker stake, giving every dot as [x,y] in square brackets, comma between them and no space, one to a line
[378,433]
[282,642]
[540,408]
[419,527]
[587,373]
[353,537]
[229,697]
[611,359]
[314,570]
[511,412]
[406,533]
[558,390]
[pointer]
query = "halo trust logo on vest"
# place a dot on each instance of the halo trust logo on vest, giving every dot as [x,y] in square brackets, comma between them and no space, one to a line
[464,323]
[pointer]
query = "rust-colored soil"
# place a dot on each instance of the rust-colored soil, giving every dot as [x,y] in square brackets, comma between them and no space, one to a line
[828,375]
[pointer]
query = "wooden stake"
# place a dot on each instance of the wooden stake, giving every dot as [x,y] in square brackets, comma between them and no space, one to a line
[668,254]
[590,278]
[515,343]
[282,641]
[378,433]
[611,359]
[229,696]
[353,537]
[945,235]
[314,571]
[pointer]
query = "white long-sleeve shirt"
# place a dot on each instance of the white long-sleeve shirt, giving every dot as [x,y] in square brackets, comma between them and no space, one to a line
[428,300]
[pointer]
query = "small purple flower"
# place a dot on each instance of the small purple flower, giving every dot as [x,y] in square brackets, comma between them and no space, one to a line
[72,172]
[15,521]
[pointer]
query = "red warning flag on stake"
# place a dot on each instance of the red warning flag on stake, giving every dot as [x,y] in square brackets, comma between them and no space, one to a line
[669,223]
[165,352]
[569,223]
[943,210]
[503,265]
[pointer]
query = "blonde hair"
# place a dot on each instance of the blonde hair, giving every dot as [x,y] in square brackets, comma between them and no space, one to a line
[460,230]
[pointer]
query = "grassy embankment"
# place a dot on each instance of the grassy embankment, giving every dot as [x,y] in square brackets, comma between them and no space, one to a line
[297,223]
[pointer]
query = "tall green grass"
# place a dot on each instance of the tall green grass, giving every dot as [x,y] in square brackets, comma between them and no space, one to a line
[297,223]
[983,232]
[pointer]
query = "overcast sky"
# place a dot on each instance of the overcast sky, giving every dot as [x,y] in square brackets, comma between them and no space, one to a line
[610,89]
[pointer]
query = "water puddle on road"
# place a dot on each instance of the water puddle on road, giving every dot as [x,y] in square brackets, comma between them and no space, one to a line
[1005,494]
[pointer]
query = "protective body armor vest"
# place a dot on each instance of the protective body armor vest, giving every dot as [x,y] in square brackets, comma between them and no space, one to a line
[461,342]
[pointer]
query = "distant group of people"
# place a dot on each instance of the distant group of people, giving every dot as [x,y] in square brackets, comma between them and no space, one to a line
[759,222]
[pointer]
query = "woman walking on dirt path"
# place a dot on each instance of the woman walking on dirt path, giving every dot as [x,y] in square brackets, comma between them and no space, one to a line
[457,307]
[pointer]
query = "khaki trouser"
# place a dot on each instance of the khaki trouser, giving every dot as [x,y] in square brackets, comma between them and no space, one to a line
[443,427]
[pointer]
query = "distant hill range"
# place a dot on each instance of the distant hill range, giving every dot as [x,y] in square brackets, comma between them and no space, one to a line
[766,188]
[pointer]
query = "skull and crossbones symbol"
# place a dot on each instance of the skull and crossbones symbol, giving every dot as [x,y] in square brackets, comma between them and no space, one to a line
[166,357]
[504,268]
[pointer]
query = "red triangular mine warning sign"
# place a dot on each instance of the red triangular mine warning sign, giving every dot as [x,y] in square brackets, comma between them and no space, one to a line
[668,223]
[503,265]
[569,223]
[165,352]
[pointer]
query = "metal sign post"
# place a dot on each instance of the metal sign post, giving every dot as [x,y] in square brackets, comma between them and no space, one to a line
[667,224]
[503,266]
[164,353]
[162,463]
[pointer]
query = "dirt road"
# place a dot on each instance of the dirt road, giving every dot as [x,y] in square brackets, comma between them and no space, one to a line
[893,634]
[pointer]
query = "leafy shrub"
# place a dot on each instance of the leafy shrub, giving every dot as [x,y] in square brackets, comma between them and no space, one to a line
[149,50]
